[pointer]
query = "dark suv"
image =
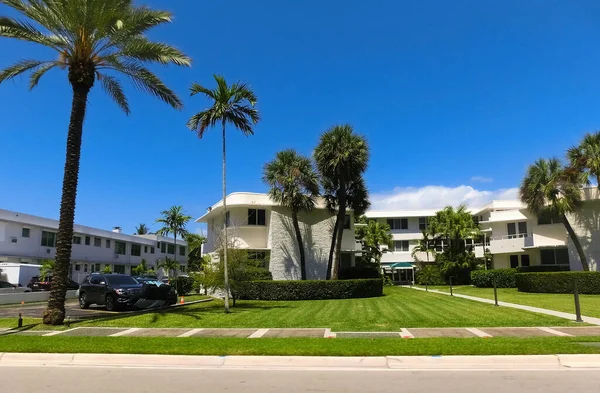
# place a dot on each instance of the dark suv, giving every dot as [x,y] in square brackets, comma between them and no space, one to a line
[111,290]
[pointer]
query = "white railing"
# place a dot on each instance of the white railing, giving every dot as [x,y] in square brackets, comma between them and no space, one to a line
[509,237]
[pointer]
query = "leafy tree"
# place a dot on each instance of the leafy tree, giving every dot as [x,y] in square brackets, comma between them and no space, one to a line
[169,265]
[424,245]
[140,269]
[48,266]
[453,226]
[584,160]
[230,104]
[195,259]
[90,39]
[374,235]
[342,157]
[548,189]
[173,221]
[141,229]
[107,269]
[294,184]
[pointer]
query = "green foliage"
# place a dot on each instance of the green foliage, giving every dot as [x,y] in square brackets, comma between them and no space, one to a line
[458,268]
[173,221]
[559,282]
[543,268]
[106,270]
[141,229]
[183,285]
[310,289]
[47,268]
[505,278]
[584,159]
[373,236]
[387,282]
[140,269]
[424,245]
[169,266]
[196,261]
[428,274]
[453,226]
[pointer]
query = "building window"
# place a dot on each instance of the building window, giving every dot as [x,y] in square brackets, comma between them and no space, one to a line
[423,223]
[136,250]
[88,240]
[554,256]
[347,221]
[25,232]
[77,267]
[525,260]
[163,247]
[514,261]
[511,229]
[120,248]
[151,250]
[95,267]
[401,245]
[171,249]
[76,239]
[547,218]
[255,217]
[85,268]
[522,227]
[182,251]
[107,243]
[48,239]
[97,242]
[119,269]
[145,249]
[398,223]
[182,268]
[259,258]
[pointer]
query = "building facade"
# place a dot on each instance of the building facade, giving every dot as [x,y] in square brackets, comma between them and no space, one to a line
[31,239]
[259,225]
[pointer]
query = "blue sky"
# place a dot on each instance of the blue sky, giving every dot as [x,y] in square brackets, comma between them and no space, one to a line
[455,98]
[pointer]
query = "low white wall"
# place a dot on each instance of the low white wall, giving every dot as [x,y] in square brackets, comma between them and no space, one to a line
[28,297]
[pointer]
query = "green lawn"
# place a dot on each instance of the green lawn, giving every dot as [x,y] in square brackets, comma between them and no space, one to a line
[300,346]
[590,304]
[400,307]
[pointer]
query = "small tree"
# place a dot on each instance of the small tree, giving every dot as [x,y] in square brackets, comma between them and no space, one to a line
[107,270]
[47,268]
[168,265]
[374,235]
[140,269]
[141,229]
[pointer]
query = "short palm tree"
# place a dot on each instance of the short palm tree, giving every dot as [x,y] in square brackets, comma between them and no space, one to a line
[168,265]
[373,236]
[294,184]
[173,221]
[584,159]
[230,104]
[423,245]
[141,229]
[547,189]
[342,157]
[47,268]
[91,39]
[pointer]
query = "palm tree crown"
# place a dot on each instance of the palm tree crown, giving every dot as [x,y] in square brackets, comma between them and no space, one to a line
[174,222]
[341,154]
[584,159]
[141,229]
[93,38]
[233,104]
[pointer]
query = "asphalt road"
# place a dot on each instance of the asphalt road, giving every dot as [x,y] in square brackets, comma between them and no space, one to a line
[137,380]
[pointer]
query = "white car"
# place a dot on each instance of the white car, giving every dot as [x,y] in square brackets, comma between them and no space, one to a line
[6,287]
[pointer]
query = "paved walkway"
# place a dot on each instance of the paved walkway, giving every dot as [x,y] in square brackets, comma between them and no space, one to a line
[559,314]
[486,332]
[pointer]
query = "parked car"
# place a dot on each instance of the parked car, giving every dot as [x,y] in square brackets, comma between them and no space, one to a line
[153,280]
[36,284]
[6,287]
[114,291]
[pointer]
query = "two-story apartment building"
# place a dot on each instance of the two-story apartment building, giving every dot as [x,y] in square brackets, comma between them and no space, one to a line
[31,239]
[264,228]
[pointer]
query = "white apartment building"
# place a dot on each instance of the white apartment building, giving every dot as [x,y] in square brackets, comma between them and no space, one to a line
[514,236]
[31,239]
[265,229]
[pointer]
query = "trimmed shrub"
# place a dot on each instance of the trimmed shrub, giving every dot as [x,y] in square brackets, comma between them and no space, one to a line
[559,282]
[183,285]
[310,289]
[505,278]
[543,268]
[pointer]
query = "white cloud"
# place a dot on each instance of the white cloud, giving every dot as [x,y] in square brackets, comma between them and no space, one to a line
[482,179]
[434,197]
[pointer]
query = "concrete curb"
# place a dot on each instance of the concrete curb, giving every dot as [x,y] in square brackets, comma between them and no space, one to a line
[510,362]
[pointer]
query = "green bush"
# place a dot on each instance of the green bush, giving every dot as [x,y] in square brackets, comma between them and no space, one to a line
[559,282]
[309,289]
[543,268]
[183,285]
[505,278]
[429,274]
[258,274]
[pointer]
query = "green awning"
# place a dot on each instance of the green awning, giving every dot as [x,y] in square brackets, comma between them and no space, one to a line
[398,265]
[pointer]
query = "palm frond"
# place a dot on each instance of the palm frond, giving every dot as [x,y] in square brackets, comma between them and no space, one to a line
[113,88]
[20,68]
[140,48]
[37,74]
[13,28]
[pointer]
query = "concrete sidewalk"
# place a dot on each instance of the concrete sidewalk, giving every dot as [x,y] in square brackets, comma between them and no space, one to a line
[559,314]
[535,362]
[257,333]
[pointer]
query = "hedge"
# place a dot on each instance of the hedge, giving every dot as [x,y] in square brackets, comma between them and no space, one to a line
[559,282]
[505,278]
[359,272]
[310,289]
[543,268]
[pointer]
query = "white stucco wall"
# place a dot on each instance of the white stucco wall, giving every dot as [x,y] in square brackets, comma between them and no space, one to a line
[586,223]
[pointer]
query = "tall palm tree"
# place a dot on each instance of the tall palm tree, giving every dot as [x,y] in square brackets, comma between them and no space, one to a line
[547,189]
[141,229]
[342,157]
[230,104]
[584,159]
[91,39]
[295,185]
[174,222]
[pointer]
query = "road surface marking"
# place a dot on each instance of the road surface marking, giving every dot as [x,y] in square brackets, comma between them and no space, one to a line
[479,333]
[190,333]
[259,333]
[124,332]
[405,333]
[555,332]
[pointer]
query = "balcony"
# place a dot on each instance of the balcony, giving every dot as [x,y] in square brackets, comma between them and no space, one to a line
[510,243]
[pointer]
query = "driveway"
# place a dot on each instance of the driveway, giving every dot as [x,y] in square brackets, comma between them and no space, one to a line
[36,311]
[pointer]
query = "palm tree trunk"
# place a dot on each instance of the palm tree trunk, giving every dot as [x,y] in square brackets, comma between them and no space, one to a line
[341,219]
[576,242]
[55,312]
[300,245]
[332,249]
[225,267]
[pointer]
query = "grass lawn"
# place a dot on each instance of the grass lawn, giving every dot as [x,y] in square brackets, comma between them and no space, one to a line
[400,307]
[300,346]
[590,304]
